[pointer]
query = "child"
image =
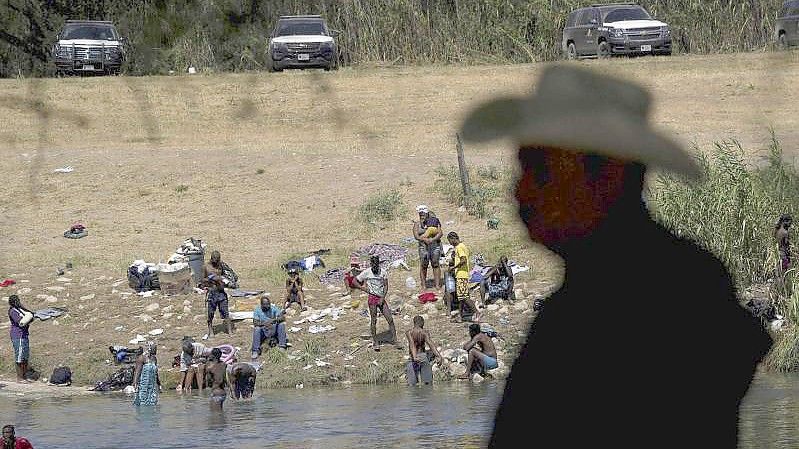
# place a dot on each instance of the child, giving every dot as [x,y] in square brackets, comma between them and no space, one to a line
[294,291]
[350,275]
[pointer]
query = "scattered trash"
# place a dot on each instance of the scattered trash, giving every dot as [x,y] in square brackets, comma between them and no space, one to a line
[400,263]
[146,294]
[67,169]
[52,312]
[238,316]
[410,283]
[295,329]
[156,332]
[139,339]
[492,223]
[192,70]
[205,337]
[300,386]
[408,240]
[307,367]
[321,363]
[504,321]
[316,329]
[129,389]
[7,282]
[119,328]
[450,223]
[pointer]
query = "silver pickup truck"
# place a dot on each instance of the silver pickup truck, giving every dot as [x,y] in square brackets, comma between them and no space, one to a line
[88,46]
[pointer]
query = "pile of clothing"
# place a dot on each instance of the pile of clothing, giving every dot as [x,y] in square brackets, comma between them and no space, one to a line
[143,276]
[189,246]
[76,231]
[306,264]
[390,255]
[116,381]
[123,354]
[333,277]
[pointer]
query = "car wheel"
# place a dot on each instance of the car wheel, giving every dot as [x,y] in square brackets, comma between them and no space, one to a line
[270,64]
[603,50]
[571,52]
[782,42]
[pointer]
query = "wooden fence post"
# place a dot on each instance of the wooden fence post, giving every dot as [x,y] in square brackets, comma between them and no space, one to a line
[464,172]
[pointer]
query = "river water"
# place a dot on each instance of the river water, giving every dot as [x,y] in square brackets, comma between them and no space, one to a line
[446,415]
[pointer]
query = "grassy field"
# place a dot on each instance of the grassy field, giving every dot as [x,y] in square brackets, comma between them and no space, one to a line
[266,166]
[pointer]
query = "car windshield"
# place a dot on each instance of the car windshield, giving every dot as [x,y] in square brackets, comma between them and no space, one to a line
[618,15]
[105,33]
[294,28]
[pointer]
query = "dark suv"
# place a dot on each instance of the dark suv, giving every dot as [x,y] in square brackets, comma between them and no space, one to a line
[614,29]
[300,42]
[787,26]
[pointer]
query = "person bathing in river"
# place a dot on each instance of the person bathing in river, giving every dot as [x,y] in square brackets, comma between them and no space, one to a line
[10,440]
[145,377]
[480,360]
[216,374]
[419,366]
[242,380]
[192,364]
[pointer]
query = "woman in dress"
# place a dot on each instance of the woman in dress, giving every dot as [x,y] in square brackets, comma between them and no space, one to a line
[145,377]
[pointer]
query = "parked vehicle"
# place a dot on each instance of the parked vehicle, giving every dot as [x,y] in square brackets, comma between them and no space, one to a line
[89,46]
[787,25]
[301,42]
[604,30]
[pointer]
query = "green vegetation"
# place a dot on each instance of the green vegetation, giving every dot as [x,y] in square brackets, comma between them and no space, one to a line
[488,183]
[385,205]
[230,35]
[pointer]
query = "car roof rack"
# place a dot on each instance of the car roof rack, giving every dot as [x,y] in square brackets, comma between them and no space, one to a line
[89,21]
[595,5]
[308,16]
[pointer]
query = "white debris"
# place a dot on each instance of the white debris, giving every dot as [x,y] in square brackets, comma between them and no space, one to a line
[87,297]
[295,329]
[63,279]
[152,307]
[156,332]
[306,367]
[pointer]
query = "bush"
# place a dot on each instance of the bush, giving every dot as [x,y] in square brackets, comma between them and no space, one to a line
[382,206]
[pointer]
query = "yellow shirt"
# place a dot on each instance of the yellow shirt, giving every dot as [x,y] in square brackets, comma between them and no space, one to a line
[462,272]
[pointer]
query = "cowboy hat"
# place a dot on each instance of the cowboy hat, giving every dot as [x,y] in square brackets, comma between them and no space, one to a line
[576,108]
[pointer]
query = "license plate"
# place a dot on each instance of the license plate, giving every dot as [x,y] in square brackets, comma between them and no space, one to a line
[646,48]
[303,57]
[88,67]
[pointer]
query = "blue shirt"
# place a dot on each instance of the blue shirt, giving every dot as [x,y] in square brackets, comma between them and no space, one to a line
[260,315]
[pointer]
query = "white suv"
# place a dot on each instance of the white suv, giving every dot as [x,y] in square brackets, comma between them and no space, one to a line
[301,42]
[89,46]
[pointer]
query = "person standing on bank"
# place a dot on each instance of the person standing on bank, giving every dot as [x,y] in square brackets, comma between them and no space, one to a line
[21,319]
[428,232]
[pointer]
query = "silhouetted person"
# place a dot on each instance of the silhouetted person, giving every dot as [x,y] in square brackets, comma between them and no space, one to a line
[783,241]
[644,344]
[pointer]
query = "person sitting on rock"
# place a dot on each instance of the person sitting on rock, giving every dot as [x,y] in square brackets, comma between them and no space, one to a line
[479,360]
[419,366]
[497,282]
[269,322]
[294,293]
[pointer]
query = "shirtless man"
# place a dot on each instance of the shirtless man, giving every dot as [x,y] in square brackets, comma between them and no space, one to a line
[215,282]
[216,374]
[479,360]
[242,380]
[419,366]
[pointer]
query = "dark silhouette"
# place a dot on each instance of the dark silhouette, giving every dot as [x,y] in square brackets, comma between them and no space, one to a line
[644,344]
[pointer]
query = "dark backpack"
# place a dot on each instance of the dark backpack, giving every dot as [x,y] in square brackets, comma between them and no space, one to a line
[61,376]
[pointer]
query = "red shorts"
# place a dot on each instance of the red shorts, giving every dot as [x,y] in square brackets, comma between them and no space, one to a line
[374,300]
[349,280]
